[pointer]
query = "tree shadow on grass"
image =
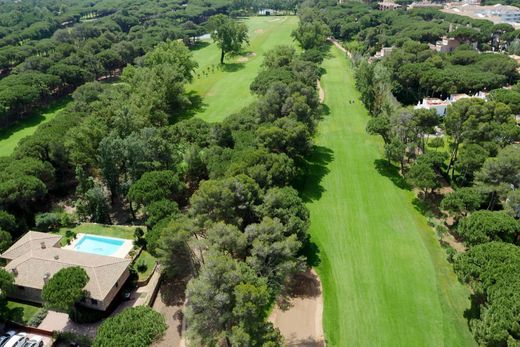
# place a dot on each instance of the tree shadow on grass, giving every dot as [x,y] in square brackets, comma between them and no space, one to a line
[33,119]
[473,312]
[199,45]
[391,172]
[197,105]
[232,67]
[312,170]
[311,252]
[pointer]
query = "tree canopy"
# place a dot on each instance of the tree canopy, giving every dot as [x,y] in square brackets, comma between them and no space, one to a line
[135,326]
[229,34]
[65,288]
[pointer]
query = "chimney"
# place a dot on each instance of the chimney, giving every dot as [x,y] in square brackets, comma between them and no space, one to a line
[14,271]
[42,244]
[56,257]
[46,277]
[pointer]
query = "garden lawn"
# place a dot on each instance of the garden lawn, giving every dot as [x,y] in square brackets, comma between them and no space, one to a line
[224,90]
[386,281]
[149,262]
[10,137]
[20,313]
[119,231]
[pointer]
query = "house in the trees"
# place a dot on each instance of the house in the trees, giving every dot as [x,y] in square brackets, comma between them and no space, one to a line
[37,256]
[441,106]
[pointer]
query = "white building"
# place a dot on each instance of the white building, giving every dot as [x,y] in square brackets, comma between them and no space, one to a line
[441,106]
[496,13]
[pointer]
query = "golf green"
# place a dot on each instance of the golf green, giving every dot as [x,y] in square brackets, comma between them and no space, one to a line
[385,278]
[224,90]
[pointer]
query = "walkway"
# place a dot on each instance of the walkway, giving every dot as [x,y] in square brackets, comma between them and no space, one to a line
[301,325]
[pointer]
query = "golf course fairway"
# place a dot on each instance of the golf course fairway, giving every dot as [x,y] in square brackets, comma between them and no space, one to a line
[385,277]
[225,90]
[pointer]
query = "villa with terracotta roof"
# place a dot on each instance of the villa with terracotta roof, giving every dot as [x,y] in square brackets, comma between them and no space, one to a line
[37,256]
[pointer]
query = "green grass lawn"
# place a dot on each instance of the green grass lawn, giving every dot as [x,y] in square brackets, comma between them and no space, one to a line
[10,137]
[20,313]
[225,90]
[386,281]
[147,259]
[123,232]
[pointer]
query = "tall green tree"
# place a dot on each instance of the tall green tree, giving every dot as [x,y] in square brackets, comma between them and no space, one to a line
[65,288]
[229,34]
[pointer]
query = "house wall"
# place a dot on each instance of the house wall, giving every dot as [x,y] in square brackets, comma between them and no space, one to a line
[103,305]
[27,294]
[35,295]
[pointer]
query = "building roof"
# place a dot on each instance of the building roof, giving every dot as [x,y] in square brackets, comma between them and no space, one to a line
[36,263]
[31,240]
[434,102]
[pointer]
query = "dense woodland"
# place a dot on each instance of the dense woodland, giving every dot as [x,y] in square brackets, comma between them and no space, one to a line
[48,47]
[477,160]
[217,198]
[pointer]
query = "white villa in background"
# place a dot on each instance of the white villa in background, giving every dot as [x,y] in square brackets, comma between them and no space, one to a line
[496,13]
[36,257]
[440,106]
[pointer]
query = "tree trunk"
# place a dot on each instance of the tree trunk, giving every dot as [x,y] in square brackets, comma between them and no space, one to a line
[222,56]
[453,158]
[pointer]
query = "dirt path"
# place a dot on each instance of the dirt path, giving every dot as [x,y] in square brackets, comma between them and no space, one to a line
[321,92]
[301,325]
[337,44]
[170,302]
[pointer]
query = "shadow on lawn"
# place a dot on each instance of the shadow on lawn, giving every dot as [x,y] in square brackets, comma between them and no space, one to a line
[33,119]
[313,169]
[232,67]
[197,105]
[391,172]
[199,45]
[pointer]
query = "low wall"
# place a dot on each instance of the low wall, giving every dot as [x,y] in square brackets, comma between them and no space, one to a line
[27,329]
[146,281]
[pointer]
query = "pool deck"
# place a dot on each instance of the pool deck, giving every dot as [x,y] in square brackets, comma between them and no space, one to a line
[122,252]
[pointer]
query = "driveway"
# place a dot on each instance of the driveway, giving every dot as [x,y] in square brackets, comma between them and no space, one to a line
[170,302]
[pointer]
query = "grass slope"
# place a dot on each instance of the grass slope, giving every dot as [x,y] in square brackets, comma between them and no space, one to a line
[225,90]
[386,280]
[10,137]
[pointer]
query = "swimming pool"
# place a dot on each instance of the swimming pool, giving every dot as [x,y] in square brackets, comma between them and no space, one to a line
[99,245]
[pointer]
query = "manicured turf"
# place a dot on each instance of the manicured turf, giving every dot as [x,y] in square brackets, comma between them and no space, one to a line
[225,90]
[147,259]
[123,232]
[385,277]
[10,137]
[20,313]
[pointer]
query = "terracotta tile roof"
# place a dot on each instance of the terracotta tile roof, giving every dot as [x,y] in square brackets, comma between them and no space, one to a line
[30,241]
[34,263]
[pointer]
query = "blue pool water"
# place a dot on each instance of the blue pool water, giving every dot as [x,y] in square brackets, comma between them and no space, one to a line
[98,245]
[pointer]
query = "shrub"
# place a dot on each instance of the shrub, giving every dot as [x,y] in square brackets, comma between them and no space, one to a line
[139,239]
[484,226]
[37,318]
[47,221]
[136,326]
[71,338]
[141,266]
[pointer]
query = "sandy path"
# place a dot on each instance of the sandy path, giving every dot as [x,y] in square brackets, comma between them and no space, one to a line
[321,92]
[301,325]
[337,44]
[170,302]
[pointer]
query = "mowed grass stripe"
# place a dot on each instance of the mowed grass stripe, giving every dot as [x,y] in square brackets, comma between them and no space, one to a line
[10,137]
[226,91]
[386,281]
